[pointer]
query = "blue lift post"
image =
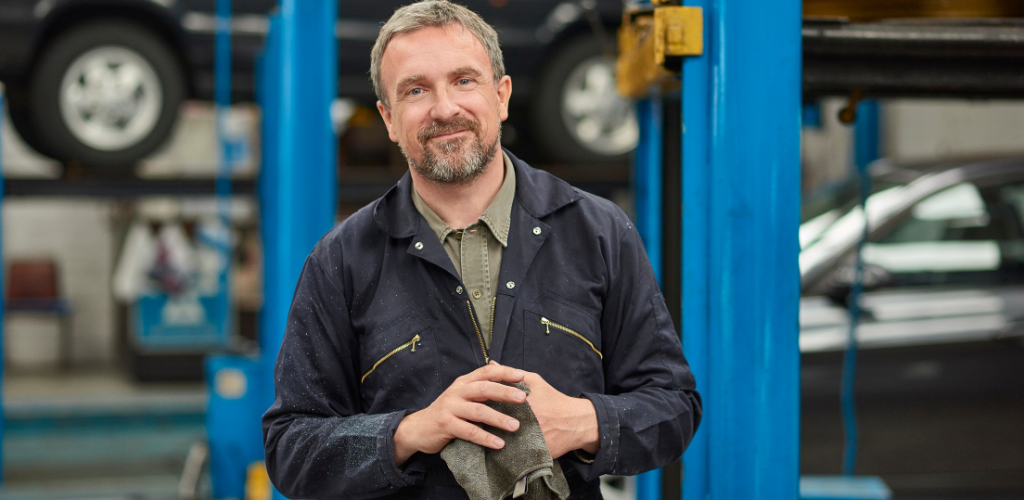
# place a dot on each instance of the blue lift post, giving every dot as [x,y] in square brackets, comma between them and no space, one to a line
[865,151]
[298,184]
[741,281]
[222,90]
[647,180]
[648,205]
[298,199]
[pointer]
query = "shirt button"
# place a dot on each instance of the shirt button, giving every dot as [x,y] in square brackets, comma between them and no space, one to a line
[458,235]
[477,294]
[536,230]
[510,285]
[419,245]
[458,290]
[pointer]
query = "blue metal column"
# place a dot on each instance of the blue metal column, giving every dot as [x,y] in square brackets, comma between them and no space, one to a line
[297,82]
[222,91]
[741,212]
[867,135]
[697,124]
[298,183]
[298,177]
[647,180]
[865,151]
[648,203]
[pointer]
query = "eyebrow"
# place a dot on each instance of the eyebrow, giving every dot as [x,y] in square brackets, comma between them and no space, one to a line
[465,70]
[406,82]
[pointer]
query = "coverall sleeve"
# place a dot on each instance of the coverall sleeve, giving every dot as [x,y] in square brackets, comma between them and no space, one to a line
[650,408]
[318,444]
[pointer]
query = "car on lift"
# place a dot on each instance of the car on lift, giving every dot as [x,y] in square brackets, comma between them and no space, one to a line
[99,82]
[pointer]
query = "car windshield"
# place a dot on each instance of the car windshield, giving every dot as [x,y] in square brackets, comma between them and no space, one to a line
[831,232]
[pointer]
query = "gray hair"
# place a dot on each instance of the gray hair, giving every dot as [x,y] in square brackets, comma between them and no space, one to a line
[433,14]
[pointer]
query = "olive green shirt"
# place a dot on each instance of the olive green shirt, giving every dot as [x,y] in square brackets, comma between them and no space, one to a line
[476,249]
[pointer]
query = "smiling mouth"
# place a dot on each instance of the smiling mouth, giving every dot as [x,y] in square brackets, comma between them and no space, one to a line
[450,134]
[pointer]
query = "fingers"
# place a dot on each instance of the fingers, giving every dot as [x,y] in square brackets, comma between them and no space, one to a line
[474,434]
[492,391]
[484,414]
[494,373]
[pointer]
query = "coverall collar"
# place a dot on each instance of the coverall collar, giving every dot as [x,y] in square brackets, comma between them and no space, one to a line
[538,192]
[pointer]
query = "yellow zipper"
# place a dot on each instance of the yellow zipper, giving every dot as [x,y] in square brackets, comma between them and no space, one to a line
[494,302]
[392,353]
[479,336]
[547,329]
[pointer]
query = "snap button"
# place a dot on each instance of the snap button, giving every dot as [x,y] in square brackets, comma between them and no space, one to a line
[419,245]
[510,285]
[536,230]
[477,294]
[458,290]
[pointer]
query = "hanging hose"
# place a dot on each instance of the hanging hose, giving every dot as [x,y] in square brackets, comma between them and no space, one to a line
[850,356]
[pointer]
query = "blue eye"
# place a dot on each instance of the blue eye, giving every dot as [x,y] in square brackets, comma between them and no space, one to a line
[464,81]
[415,91]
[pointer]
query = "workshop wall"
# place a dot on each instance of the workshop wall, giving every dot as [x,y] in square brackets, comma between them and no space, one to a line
[931,129]
[78,236]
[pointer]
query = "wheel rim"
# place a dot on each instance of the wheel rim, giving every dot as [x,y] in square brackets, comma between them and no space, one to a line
[110,98]
[597,117]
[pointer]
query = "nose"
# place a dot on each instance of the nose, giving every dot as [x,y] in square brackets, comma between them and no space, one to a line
[445,107]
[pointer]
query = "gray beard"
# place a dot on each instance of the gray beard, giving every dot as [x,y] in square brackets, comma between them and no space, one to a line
[450,167]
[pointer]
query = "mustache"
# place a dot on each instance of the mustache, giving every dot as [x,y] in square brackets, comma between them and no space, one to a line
[456,124]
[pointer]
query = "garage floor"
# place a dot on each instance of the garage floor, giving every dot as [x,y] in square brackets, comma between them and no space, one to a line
[954,435]
[935,422]
[95,434]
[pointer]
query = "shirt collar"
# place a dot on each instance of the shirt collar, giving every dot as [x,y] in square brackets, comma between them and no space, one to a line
[497,217]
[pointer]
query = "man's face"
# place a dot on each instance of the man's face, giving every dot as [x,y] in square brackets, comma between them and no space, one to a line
[446,109]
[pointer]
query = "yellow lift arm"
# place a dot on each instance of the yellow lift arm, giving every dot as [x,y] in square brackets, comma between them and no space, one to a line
[651,37]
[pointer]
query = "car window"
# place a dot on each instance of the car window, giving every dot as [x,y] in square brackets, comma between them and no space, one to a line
[961,235]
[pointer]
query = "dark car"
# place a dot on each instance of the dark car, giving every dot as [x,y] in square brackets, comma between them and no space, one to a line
[99,82]
[940,372]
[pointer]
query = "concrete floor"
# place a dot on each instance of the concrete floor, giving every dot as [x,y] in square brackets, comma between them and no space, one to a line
[955,435]
[952,431]
[96,434]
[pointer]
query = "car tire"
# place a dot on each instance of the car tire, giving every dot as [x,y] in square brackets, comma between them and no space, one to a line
[105,95]
[21,117]
[577,115]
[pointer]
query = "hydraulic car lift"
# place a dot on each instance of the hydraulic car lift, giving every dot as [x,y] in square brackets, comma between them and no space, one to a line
[729,168]
[717,195]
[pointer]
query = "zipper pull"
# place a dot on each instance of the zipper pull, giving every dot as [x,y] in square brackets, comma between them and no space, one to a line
[547,325]
[414,341]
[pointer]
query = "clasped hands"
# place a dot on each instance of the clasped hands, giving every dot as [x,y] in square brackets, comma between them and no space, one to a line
[568,423]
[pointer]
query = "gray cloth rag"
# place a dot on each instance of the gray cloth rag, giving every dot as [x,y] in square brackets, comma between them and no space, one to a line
[523,468]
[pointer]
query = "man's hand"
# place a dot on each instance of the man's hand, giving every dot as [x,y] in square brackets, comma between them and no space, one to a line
[451,415]
[568,423]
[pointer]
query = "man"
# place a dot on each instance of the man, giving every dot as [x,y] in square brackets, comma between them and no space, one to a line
[404,311]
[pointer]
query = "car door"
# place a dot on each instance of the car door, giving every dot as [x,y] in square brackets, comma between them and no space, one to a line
[951,271]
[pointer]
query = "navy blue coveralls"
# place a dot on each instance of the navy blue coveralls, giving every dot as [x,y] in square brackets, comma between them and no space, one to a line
[380,325]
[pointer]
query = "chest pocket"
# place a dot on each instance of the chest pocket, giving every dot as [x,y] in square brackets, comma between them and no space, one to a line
[563,345]
[398,366]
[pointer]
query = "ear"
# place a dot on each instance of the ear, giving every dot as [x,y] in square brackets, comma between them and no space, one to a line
[504,95]
[385,113]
